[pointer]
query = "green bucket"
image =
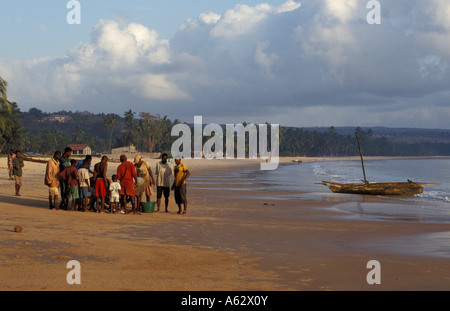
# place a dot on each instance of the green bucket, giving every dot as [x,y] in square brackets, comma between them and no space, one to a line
[148,207]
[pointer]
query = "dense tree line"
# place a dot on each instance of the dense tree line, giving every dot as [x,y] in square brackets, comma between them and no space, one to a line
[149,133]
[31,131]
[102,132]
[12,132]
[152,133]
[298,142]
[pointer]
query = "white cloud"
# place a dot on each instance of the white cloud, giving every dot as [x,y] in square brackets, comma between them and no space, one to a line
[243,18]
[315,63]
[119,62]
[440,11]
[288,6]
[266,61]
[344,10]
[209,18]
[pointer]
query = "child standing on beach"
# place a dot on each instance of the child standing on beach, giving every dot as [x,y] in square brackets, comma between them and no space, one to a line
[83,178]
[114,188]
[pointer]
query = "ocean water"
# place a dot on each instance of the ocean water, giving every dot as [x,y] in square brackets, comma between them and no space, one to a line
[303,181]
[433,205]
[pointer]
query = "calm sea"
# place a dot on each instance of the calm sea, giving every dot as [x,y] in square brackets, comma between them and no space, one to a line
[433,205]
[302,181]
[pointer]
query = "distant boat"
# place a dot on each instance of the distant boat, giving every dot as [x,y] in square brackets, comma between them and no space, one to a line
[408,188]
[378,188]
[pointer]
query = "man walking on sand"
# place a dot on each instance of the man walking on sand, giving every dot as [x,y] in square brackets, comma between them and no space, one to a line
[126,173]
[52,179]
[17,164]
[163,172]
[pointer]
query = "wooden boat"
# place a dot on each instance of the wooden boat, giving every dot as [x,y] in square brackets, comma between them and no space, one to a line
[378,188]
[408,188]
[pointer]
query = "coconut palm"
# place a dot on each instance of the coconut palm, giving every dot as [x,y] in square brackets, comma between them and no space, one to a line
[151,129]
[11,130]
[110,122]
[78,134]
[5,104]
[129,126]
[3,85]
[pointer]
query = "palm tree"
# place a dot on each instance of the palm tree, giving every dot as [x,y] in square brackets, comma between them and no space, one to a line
[110,122]
[77,134]
[5,104]
[11,130]
[151,129]
[129,126]
[3,85]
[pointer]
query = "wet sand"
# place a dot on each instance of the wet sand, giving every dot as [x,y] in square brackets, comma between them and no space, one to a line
[229,240]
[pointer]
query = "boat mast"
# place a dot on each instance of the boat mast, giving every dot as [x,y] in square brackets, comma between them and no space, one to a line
[360,154]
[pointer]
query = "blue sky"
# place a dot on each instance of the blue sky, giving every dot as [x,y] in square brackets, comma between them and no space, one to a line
[296,63]
[39,28]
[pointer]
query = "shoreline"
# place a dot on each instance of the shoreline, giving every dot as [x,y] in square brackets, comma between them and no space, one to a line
[223,243]
[357,158]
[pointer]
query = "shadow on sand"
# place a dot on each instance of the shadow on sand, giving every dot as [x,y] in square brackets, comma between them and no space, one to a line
[24,201]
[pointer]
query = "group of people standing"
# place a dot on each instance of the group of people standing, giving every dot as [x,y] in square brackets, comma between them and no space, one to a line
[130,186]
[75,180]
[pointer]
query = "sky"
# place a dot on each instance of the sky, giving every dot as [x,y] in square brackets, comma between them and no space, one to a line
[294,63]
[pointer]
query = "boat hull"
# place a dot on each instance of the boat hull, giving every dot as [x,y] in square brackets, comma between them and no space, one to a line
[377,188]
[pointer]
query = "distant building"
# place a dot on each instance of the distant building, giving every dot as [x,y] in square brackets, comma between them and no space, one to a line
[80,149]
[129,149]
[57,118]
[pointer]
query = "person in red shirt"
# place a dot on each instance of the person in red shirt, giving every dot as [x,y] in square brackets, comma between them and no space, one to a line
[100,182]
[126,173]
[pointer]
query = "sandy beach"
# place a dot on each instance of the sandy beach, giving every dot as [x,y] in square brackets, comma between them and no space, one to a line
[228,241]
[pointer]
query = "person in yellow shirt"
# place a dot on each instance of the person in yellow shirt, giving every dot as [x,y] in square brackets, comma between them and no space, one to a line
[181,173]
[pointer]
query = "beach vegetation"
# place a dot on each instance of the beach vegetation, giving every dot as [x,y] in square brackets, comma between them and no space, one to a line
[12,132]
[110,122]
[42,132]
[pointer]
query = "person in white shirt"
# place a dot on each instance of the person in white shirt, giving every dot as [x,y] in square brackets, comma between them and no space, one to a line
[85,184]
[114,198]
